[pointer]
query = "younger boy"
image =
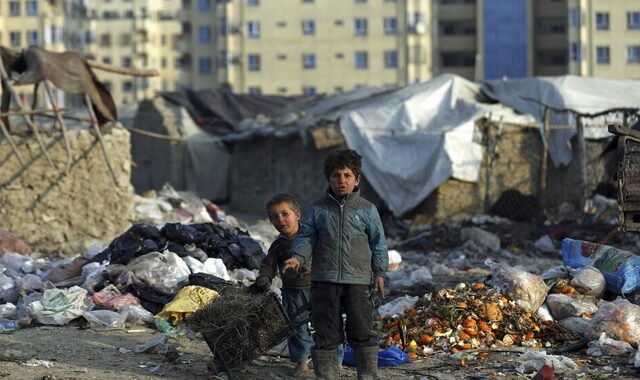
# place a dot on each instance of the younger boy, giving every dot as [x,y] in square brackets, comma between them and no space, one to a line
[284,214]
[342,234]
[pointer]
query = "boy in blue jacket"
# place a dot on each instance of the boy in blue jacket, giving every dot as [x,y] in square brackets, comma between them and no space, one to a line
[342,234]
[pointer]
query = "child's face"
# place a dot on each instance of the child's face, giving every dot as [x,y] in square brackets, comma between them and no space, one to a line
[343,181]
[284,219]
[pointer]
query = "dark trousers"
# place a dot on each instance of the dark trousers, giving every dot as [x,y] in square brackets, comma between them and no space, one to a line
[328,302]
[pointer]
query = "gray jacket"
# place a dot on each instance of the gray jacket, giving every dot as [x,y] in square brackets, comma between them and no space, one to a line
[345,240]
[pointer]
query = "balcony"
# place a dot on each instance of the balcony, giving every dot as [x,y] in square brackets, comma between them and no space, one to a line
[457,11]
[457,43]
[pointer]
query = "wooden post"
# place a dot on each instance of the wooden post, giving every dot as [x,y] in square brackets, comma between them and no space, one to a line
[94,123]
[7,136]
[582,157]
[544,159]
[60,121]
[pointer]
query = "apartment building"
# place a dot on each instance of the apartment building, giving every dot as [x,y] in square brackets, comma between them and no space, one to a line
[604,37]
[141,34]
[292,47]
[489,39]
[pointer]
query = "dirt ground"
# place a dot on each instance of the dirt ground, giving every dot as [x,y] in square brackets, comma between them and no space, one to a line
[70,352]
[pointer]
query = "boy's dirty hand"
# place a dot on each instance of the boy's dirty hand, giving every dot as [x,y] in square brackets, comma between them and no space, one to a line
[291,264]
[379,286]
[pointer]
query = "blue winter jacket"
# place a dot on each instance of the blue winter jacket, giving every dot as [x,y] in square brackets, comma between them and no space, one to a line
[345,240]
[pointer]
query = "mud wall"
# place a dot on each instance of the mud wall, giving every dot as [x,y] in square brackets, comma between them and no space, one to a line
[517,164]
[58,213]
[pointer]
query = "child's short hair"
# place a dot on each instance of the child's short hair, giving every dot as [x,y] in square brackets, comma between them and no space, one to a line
[348,158]
[282,198]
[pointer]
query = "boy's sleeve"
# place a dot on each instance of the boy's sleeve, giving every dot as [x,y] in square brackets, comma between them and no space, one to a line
[302,246]
[377,244]
[269,263]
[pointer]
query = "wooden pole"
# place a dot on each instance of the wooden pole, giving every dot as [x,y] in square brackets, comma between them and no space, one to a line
[545,157]
[60,121]
[94,123]
[123,70]
[6,134]
[42,112]
[582,156]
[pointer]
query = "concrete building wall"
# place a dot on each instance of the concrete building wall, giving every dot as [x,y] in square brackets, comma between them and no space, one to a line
[58,213]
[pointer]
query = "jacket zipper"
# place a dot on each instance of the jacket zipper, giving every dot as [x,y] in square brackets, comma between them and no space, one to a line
[341,238]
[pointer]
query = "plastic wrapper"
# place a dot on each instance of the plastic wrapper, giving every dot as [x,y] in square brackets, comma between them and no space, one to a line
[189,299]
[105,319]
[589,281]
[621,269]
[563,306]
[619,319]
[164,271]
[526,289]
[606,346]
[532,361]
[59,306]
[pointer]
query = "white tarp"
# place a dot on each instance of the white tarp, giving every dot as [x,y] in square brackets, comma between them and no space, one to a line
[417,137]
[580,94]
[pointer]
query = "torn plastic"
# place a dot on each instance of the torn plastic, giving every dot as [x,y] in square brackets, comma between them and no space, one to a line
[532,361]
[397,306]
[562,306]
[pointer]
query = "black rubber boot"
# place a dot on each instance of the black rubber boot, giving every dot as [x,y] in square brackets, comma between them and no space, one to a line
[325,364]
[367,362]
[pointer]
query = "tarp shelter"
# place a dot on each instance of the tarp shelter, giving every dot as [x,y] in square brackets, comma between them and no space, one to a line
[580,94]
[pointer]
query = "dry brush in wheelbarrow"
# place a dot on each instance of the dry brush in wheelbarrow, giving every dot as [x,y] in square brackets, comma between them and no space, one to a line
[240,325]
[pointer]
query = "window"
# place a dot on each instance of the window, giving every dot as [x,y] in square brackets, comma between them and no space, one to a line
[222,25]
[32,37]
[282,90]
[127,86]
[360,26]
[338,89]
[390,25]
[574,17]
[602,21]
[89,37]
[253,29]
[204,5]
[106,60]
[128,14]
[107,85]
[204,66]
[308,90]
[14,38]
[281,24]
[125,39]
[309,61]
[391,59]
[282,57]
[204,34]
[362,60]
[633,54]
[54,34]
[14,8]
[253,3]
[602,54]
[163,62]
[163,40]
[254,62]
[305,1]
[338,22]
[359,1]
[633,20]
[254,90]
[105,40]
[308,27]
[126,61]
[575,52]
[32,7]
[339,55]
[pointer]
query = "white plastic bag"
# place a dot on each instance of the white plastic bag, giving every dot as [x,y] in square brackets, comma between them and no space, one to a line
[589,281]
[164,271]
[59,306]
[562,306]
[606,346]
[526,289]
[620,319]
[105,319]
[397,306]
[532,361]
[394,260]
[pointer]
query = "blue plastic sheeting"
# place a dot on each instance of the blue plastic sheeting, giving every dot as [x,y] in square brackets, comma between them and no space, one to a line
[505,39]
[389,357]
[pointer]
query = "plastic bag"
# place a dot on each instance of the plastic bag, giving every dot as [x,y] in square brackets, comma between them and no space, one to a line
[526,289]
[105,319]
[562,306]
[397,306]
[620,319]
[589,281]
[189,299]
[621,269]
[532,361]
[606,346]
[136,314]
[389,357]
[59,306]
[488,241]
[394,260]
[164,271]
[577,325]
